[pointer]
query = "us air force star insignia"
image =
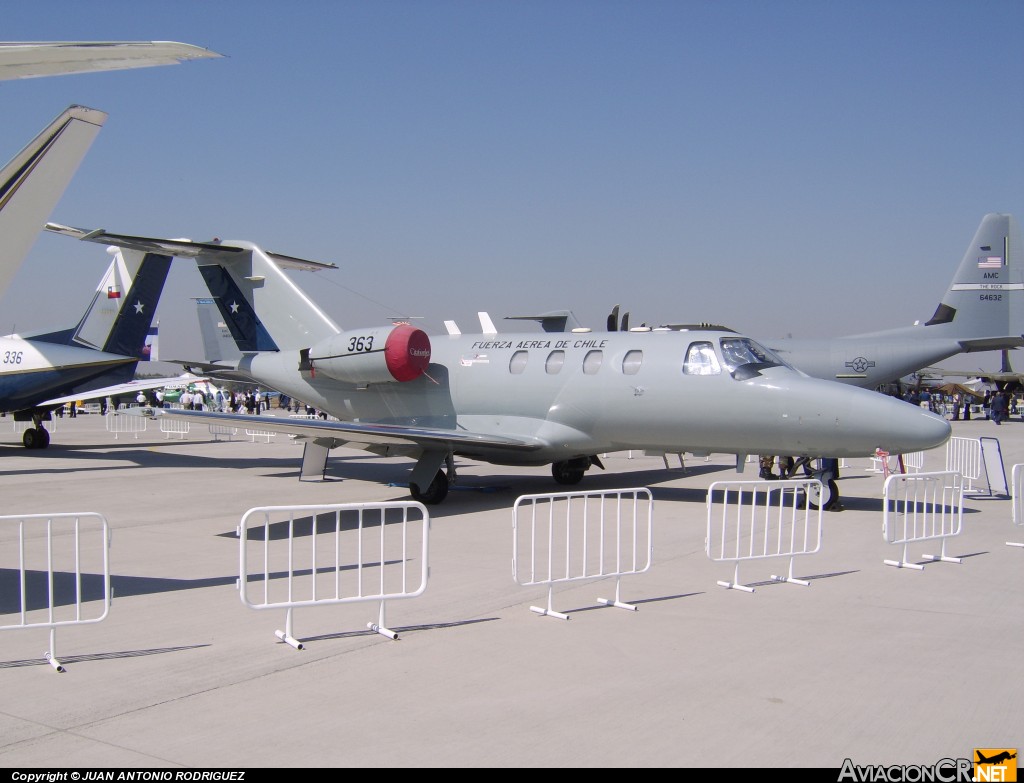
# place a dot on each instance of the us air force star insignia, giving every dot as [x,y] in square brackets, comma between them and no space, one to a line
[234,307]
[139,307]
[860,364]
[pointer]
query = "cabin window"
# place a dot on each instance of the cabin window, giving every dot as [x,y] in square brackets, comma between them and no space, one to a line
[517,363]
[592,362]
[631,362]
[554,363]
[740,351]
[701,360]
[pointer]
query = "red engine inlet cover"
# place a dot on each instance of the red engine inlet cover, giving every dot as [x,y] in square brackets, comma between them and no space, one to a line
[407,352]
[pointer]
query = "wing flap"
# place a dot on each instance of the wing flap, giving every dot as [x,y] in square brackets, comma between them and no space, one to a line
[362,435]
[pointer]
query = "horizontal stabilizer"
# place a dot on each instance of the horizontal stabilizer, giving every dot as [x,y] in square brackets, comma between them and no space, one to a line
[991,344]
[184,248]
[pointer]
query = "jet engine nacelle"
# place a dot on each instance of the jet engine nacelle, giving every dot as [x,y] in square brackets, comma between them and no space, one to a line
[380,355]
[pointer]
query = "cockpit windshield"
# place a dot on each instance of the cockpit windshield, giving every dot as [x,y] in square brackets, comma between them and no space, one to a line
[740,351]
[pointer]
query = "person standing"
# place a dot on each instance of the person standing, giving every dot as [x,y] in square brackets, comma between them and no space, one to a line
[999,407]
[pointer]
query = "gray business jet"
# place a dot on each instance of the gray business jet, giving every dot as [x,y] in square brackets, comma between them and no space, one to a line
[523,399]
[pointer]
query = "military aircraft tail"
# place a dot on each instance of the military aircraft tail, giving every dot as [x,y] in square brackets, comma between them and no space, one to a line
[34,180]
[119,318]
[218,345]
[127,335]
[986,297]
[260,305]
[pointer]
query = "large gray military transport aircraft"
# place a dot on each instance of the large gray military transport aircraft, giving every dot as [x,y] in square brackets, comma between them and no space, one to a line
[528,398]
[983,310]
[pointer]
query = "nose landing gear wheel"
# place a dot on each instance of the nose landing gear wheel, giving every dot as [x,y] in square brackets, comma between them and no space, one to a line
[824,499]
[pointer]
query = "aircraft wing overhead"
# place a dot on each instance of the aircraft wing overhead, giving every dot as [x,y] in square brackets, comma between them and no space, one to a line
[180,247]
[362,435]
[24,60]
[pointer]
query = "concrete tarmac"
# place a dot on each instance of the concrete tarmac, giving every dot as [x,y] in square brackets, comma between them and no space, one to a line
[872,663]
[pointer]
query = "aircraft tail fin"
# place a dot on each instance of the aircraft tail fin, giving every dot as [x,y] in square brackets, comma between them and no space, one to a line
[260,305]
[218,345]
[119,318]
[986,297]
[33,181]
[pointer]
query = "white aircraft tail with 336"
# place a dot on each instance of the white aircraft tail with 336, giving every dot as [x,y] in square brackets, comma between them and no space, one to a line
[102,349]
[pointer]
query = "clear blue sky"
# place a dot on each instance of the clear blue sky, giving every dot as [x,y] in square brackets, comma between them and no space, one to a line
[798,166]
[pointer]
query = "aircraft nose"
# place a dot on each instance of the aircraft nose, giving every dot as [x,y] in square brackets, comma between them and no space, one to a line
[915,429]
[866,420]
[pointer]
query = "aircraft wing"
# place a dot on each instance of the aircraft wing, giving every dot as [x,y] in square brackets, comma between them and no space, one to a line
[124,388]
[49,58]
[371,437]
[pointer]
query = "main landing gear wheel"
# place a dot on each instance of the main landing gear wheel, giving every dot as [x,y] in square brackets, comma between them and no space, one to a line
[826,498]
[434,494]
[567,472]
[35,438]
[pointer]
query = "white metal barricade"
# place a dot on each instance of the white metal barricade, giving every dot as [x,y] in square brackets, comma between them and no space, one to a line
[963,456]
[50,425]
[914,461]
[762,519]
[581,536]
[922,507]
[256,432]
[173,426]
[1017,486]
[993,470]
[266,435]
[219,429]
[302,417]
[333,554]
[126,423]
[52,553]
